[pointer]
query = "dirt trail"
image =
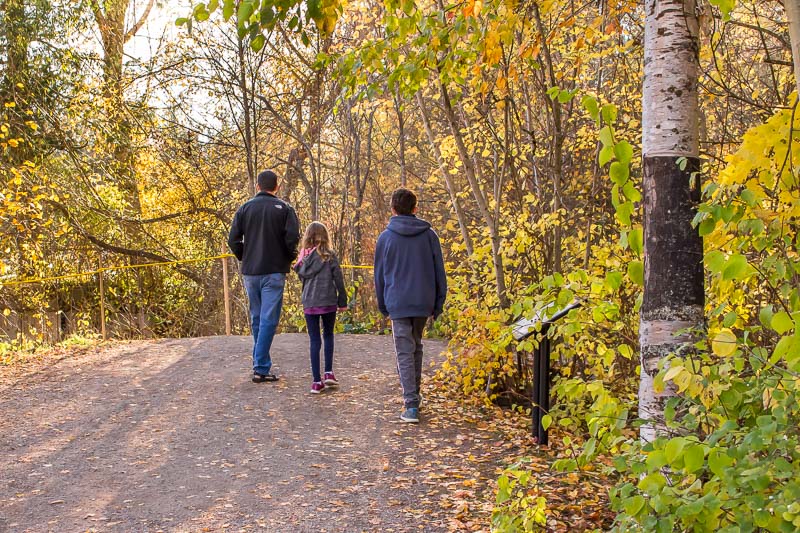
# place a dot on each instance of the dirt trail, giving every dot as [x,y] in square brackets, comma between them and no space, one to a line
[171,435]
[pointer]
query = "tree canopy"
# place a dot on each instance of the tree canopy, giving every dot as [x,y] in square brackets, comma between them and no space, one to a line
[538,134]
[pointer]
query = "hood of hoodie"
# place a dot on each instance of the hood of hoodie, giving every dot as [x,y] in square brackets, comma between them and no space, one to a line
[407,225]
[310,266]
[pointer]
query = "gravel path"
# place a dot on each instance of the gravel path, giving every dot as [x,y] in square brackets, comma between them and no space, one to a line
[171,435]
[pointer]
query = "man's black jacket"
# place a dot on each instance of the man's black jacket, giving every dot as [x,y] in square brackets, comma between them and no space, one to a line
[264,235]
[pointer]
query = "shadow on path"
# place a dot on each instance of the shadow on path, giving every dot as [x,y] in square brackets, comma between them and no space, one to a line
[172,435]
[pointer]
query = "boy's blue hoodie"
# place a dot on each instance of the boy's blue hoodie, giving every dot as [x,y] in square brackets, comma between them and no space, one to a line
[409,270]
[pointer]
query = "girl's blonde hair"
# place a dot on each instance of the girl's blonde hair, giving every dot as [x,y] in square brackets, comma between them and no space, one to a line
[317,235]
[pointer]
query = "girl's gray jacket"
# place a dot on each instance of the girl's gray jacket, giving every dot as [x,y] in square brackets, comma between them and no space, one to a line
[323,283]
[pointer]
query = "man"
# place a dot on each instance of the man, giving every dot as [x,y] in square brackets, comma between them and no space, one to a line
[264,236]
[410,284]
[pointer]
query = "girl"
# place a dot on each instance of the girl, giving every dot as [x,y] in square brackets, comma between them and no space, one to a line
[323,294]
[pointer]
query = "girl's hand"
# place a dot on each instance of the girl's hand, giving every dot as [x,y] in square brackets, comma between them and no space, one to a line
[304,252]
[340,309]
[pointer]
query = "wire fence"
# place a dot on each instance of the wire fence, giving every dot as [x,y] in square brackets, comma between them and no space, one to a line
[147,300]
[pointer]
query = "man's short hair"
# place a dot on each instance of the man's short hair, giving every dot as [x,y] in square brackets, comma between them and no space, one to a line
[267,181]
[404,201]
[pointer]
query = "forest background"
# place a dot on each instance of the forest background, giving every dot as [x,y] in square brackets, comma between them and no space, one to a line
[129,139]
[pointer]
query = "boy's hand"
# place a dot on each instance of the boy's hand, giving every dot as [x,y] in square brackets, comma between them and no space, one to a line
[341,309]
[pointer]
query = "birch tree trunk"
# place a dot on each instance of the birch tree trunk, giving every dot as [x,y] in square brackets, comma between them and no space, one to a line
[673,250]
[792,8]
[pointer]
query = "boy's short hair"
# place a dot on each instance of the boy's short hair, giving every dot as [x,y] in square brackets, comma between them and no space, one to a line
[404,201]
[268,181]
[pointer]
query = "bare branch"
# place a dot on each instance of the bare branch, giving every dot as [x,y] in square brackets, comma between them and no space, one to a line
[136,27]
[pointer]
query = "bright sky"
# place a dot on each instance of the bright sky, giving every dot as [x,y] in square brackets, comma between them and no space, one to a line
[160,27]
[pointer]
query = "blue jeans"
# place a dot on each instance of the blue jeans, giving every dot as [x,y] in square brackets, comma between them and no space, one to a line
[312,321]
[266,300]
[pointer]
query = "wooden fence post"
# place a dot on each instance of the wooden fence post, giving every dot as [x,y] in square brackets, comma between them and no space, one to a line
[102,302]
[225,291]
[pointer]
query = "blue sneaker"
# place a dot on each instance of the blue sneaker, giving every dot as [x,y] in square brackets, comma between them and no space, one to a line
[410,415]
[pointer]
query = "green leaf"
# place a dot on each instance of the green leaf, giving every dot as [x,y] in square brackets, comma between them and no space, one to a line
[674,448]
[636,272]
[782,322]
[707,226]
[609,112]
[765,316]
[715,261]
[590,104]
[619,173]
[748,197]
[246,10]
[625,351]
[565,96]
[652,483]
[623,235]
[624,212]
[614,280]
[257,43]
[725,7]
[631,192]
[606,154]
[693,458]
[655,460]
[724,344]
[718,462]
[547,421]
[607,137]
[228,9]
[314,8]
[213,5]
[762,517]
[735,267]
[635,241]
[181,21]
[634,504]
[785,347]
[624,152]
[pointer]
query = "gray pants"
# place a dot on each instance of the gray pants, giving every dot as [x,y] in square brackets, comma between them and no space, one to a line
[407,334]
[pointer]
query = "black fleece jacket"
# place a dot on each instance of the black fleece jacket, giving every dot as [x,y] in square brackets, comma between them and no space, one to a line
[264,235]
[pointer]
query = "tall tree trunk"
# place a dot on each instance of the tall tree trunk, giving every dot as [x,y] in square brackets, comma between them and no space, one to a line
[557,138]
[401,134]
[478,193]
[110,17]
[14,82]
[249,147]
[673,250]
[792,8]
[451,190]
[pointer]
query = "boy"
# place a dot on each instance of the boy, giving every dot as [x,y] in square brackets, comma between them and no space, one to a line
[410,284]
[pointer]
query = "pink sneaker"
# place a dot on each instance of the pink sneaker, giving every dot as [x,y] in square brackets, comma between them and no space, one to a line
[329,379]
[317,387]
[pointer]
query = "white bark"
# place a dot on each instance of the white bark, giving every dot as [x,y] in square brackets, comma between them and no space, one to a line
[792,8]
[673,270]
[669,94]
[660,338]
